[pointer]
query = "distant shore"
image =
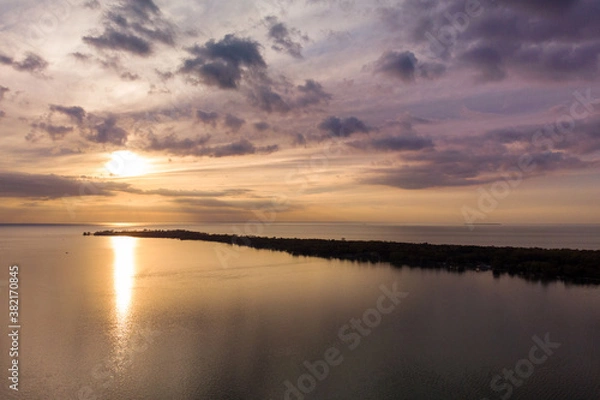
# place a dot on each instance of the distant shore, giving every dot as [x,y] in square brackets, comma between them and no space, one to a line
[536,264]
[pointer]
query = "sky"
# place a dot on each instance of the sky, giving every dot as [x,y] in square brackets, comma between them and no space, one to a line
[409,112]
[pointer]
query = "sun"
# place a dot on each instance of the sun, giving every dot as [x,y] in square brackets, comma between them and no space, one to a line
[126,163]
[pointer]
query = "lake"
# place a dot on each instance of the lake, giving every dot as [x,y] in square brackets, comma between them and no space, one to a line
[127,318]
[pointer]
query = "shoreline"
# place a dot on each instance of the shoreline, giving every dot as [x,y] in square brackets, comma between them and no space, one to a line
[532,264]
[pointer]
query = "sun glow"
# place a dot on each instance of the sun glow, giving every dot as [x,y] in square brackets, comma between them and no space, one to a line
[126,163]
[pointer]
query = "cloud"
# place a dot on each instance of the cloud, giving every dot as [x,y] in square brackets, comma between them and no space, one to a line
[198,147]
[32,63]
[6,60]
[209,118]
[583,140]
[164,76]
[55,132]
[261,126]
[134,27]
[173,145]
[92,4]
[232,61]
[3,90]
[107,131]
[394,143]
[50,186]
[265,98]
[282,37]
[79,56]
[488,61]
[406,67]
[129,76]
[490,157]
[76,113]
[543,6]
[191,193]
[234,123]
[2,114]
[262,95]
[238,148]
[337,127]
[223,63]
[538,39]
[312,93]
[114,40]
[40,186]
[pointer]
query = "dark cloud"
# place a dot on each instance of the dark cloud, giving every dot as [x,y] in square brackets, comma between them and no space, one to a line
[400,65]
[209,118]
[283,37]
[32,63]
[337,127]
[55,132]
[405,66]
[47,186]
[232,61]
[129,76]
[312,93]
[81,56]
[238,148]
[265,98]
[419,177]
[2,114]
[299,139]
[164,76]
[107,131]
[197,147]
[234,123]
[488,61]
[394,143]
[193,193]
[6,60]
[243,205]
[134,27]
[114,40]
[494,155]
[39,186]
[543,6]
[261,126]
[76,113]
[93,4]
[582,140]
[3,90]
[173,145]
[267,95]
[223,63]
[544,40]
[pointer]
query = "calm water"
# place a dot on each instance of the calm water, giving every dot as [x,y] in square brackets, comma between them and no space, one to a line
[125,318]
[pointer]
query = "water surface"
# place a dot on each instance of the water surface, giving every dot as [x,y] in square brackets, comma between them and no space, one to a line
[127,318]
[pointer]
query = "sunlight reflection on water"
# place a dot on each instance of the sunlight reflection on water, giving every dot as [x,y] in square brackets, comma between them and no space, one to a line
[124,274]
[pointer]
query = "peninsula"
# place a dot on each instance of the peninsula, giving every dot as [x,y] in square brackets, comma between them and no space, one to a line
[537,264]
